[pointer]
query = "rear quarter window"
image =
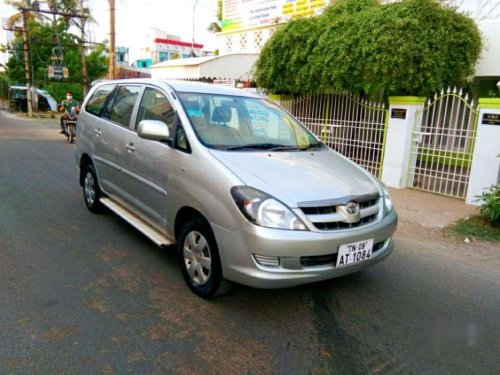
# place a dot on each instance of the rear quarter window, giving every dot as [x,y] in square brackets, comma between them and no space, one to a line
[98,99]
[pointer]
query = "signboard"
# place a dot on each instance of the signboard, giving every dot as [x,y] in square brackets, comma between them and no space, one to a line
[229,82]
[244,14]
[491,119]
[398,113]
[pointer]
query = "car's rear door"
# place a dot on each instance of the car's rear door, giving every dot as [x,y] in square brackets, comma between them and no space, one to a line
[111,130]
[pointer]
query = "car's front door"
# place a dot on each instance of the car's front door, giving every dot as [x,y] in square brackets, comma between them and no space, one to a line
[148,162]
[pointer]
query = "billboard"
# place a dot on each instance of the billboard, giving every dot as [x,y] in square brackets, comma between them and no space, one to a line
[244,14]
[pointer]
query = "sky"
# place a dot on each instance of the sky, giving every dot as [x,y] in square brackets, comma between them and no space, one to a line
[134,17]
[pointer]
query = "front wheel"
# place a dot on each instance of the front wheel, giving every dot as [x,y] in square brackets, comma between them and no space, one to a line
[71,134]
[199,258]
[91,190]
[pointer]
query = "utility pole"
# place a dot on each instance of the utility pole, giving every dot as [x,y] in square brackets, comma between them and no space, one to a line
[85,75]
[26,46]
[112,34]
[29,96]
[192,43]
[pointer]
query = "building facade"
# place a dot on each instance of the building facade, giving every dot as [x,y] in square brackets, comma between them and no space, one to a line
[162,46]
[248,24]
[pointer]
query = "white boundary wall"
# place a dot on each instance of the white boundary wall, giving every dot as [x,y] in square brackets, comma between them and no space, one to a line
[399,138]
[485,169]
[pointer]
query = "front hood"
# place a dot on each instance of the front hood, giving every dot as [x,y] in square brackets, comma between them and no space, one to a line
[298,177]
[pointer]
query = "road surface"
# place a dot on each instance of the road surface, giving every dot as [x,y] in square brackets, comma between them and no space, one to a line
[84,293]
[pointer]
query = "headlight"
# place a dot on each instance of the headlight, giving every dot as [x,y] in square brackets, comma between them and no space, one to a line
[387,201]
[262,209]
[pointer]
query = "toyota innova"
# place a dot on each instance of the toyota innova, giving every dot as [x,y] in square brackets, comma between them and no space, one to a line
[246,192]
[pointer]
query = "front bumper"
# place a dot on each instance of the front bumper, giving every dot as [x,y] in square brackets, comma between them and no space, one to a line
[239,265]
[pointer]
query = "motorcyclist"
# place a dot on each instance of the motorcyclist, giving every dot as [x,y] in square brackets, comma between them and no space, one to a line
[67,107]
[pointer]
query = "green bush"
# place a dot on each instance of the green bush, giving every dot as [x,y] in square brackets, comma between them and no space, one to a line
[490,204]
[283,66]
[408,47]
[4,86]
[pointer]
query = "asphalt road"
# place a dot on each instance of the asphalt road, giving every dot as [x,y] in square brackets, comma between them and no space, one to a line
[87,294]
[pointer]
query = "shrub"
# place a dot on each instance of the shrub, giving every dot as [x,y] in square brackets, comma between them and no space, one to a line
[490,204]
[407,47]
[4,86]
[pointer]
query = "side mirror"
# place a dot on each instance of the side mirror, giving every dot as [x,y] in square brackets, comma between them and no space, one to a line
[153,130]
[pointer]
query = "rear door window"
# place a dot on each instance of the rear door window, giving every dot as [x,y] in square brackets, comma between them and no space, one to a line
[98,99]
[120,108]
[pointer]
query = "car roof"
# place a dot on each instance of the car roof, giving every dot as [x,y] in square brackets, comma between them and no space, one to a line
[188,86]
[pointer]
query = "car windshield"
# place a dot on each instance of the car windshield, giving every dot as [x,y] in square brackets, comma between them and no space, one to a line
[245,123]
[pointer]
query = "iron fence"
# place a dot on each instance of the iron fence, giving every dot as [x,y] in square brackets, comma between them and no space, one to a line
[351,125]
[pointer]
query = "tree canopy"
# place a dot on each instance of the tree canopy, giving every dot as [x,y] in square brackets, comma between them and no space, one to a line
[410,47]
[42,41]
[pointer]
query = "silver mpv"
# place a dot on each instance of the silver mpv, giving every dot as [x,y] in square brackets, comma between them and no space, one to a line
[245,190]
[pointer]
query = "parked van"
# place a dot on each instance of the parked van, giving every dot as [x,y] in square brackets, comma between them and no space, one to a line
[246,192]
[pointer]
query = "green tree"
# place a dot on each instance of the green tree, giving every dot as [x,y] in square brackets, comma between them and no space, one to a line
[42,45]
[283,66]
[407,47]
[4,86]
[215,27]
[17,18]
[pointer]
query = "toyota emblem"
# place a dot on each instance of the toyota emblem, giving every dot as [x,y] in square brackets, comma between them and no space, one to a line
[352,208]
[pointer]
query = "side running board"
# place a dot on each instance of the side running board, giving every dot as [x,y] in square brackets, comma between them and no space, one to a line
[137,222]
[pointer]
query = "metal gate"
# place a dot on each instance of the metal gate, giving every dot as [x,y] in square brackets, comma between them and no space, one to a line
[348,124]
[443,142]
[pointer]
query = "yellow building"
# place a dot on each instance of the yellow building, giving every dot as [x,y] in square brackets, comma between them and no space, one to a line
[248,24]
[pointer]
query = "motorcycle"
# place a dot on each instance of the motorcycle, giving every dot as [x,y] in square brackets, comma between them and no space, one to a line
[70,125]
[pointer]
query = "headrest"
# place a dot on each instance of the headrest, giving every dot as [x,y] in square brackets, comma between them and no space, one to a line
[221,114]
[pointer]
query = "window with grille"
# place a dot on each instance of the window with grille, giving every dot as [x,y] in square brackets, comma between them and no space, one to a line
[229,43]
[243,42]
[258,42]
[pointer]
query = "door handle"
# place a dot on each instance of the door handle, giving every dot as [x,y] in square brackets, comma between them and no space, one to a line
[130,146]
[98,132]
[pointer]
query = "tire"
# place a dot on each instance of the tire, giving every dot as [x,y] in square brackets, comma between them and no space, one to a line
[91,190]
[199,259]
[71,137]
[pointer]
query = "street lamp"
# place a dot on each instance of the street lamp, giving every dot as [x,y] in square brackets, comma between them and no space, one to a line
[192,43]
[498,85]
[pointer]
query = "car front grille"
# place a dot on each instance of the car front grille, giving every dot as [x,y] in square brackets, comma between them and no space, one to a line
[326,218]
[321,260]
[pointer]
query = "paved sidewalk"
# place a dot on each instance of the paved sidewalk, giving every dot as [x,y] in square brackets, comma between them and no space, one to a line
[429,210]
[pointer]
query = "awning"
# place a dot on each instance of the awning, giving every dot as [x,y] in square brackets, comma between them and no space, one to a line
[236,66]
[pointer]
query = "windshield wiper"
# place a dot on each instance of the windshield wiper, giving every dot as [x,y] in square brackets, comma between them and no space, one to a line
[256,146]
[285,148]
[311,146]
[271,147]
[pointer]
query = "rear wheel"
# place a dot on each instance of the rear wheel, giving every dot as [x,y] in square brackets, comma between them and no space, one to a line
[199,258]
[91,190]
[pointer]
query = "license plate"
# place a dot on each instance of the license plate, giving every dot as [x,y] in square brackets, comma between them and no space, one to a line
[354,252]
